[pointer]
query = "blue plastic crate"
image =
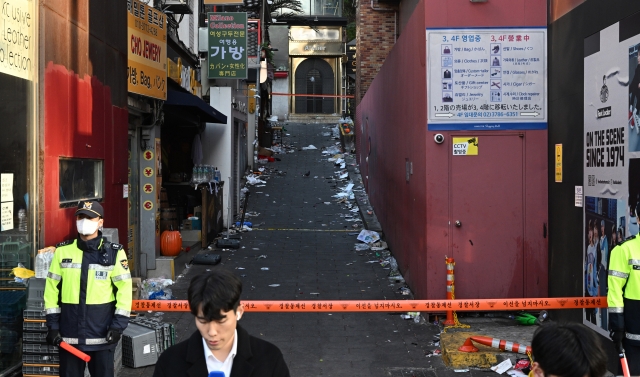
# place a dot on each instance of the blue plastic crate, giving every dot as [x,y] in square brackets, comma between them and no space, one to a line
[11,305]
[8,341]
[12,253]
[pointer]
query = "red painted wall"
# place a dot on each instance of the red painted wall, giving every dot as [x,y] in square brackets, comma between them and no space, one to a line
[80,121]
[391,130]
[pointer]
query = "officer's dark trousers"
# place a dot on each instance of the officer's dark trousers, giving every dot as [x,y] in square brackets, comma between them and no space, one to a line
[101,364]
[633,357]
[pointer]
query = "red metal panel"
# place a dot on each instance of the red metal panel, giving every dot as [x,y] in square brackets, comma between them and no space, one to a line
[76,111]
[494,13]
[391,128]
[487,199]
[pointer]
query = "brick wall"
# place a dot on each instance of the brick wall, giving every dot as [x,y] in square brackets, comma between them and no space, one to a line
[375,38]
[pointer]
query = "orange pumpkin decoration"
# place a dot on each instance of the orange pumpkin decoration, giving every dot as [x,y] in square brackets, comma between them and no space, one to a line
[170,243]
[347,130]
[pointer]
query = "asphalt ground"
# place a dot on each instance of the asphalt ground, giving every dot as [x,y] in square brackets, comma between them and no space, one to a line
[308,248]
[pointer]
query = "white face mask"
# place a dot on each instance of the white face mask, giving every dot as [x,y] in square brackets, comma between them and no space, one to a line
[87,227]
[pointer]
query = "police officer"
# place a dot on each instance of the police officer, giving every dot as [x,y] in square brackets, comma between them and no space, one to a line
[87,296]
[623,299]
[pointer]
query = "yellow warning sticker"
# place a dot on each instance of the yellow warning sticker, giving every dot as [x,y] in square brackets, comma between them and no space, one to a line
[465,146]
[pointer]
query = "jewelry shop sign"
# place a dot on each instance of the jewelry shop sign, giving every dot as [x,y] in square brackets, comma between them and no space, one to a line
[487,79]
[227,45]
[147,39]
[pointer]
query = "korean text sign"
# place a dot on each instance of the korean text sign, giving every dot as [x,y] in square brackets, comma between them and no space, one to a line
[487,79]
[147,39]
[227,45]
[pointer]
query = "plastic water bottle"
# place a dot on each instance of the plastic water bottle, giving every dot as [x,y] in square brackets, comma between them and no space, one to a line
[43,261]
[22,220]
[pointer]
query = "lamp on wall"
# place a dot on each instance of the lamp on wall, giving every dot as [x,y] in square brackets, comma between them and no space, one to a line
[263,71]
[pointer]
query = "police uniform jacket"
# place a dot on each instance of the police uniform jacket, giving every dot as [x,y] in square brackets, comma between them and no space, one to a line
[623,297]
[88,292]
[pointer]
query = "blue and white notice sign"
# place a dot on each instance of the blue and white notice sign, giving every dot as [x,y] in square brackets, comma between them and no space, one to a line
[487,79]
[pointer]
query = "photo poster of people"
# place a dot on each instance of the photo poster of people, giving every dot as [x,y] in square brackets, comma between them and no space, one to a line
[611,182]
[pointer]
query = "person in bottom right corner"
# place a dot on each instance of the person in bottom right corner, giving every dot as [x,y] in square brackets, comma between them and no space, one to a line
[567,350]
[623,299]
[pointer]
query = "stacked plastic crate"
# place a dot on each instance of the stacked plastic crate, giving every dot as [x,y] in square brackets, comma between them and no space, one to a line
[144,340]
[12,302]
[38,358]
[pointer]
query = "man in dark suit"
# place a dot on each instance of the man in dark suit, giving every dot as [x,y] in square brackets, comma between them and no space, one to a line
[220,344]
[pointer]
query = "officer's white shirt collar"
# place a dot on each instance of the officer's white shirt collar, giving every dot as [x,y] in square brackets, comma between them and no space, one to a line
[213,364]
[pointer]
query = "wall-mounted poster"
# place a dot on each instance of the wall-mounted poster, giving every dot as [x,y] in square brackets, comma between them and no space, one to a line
[487,79]
[611,156]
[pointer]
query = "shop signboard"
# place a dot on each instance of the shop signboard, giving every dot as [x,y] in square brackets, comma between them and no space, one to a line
[351,59]
[147,42]
[227,45]
[17,42]
[487,79]
[610,194]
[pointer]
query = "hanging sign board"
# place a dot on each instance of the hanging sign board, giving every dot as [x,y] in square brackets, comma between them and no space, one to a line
[487,79]
[227,52]
[147,42]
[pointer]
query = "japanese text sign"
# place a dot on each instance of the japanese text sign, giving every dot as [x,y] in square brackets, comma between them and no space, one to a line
[487,79]
[227,45]
[147,39]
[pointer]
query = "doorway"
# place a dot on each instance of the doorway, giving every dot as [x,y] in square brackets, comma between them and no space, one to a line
[314,76]
[487,217]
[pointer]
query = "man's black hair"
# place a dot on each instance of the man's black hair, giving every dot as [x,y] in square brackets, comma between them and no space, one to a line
[213,291]
[569,350]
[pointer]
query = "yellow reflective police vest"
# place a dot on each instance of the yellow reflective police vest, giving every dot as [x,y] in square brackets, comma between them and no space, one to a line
[623,297]
[87,293]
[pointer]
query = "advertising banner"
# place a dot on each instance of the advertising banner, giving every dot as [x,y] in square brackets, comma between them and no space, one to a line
[611,156]
[487,79]
[16,38]
[147,38]
[227,45]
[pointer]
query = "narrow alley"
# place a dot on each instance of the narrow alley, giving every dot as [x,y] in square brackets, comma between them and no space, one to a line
[308,249]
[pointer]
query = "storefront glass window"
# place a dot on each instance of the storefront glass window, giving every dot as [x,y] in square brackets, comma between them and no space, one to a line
[18,148]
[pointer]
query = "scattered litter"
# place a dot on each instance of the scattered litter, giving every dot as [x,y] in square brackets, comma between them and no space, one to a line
[361,247]
[264,268]
[255,248]
[461,370]
[435,352]
[405,291]
[327,203]
[156,289]
[253,180]
[240,268]
[274,285]
[502,367]
[516,373]
[314,293]
[311,146]
[261,256]
[368,236]
[380,245]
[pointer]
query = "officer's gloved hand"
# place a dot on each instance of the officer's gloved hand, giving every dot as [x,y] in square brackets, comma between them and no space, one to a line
[617,336]
[113,336]
[53,337]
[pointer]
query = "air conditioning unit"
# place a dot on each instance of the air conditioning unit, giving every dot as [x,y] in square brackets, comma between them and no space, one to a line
[177,6]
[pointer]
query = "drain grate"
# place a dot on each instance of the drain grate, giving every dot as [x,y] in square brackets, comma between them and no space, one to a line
[411,372]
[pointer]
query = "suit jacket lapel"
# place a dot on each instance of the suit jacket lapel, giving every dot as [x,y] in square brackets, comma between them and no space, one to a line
[195,357]
[242,362]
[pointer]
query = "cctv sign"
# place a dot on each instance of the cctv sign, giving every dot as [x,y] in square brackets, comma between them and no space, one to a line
[465,146]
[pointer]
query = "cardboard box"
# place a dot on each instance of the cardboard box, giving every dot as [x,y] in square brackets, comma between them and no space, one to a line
[187,225]
[135,291]
[265,152]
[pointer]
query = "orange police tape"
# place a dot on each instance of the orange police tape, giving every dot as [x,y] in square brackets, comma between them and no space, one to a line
[389,305]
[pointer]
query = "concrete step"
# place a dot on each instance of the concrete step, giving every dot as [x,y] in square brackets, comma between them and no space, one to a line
[314,118]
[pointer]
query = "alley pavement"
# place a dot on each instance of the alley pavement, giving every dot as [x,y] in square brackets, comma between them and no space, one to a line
[302,248]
